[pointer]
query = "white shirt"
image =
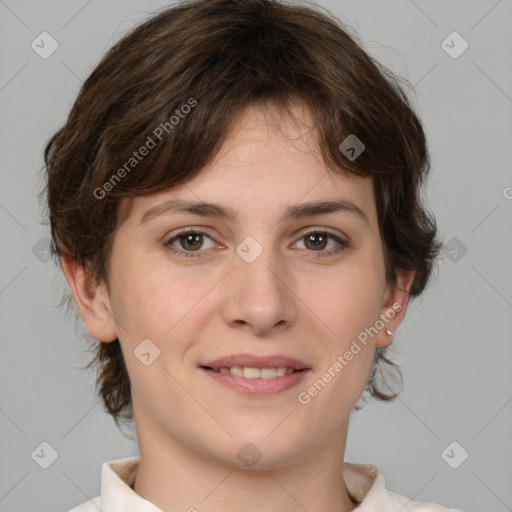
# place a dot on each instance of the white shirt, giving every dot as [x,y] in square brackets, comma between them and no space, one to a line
[364,482]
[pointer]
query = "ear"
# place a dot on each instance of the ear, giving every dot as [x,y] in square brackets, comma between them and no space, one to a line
[394,307]
[92,300]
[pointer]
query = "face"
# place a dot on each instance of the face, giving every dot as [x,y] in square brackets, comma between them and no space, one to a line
[274,280]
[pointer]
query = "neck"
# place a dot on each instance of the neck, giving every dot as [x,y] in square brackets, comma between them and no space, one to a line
[175,478]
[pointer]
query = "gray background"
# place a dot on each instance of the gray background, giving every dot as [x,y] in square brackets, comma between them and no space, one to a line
[455,344]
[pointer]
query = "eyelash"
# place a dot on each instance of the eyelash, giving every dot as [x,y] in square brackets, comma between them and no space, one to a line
[343,244]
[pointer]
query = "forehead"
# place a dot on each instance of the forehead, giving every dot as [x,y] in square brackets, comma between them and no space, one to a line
[270,159]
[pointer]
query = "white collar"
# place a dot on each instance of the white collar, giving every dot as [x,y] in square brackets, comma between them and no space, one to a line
[364,482]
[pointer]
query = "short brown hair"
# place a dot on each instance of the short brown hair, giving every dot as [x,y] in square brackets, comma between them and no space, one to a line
[226,55]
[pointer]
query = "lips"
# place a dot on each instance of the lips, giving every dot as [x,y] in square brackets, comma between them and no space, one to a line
[250,361]
[257,376]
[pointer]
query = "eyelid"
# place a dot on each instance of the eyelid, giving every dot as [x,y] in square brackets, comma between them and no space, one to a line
[301,233]
[188,230]
[342,241]
[320,229]
[184,231]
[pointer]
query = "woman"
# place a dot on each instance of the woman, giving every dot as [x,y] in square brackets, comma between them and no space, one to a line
[235,202]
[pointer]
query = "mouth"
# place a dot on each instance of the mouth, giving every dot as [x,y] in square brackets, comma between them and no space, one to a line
[248,372]
[257,376]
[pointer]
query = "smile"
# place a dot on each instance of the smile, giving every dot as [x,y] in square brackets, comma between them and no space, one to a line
[256,382]
[255,373]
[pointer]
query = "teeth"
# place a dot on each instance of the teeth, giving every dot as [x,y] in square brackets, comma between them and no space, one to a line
[237,371]
[251,373]
[256,373]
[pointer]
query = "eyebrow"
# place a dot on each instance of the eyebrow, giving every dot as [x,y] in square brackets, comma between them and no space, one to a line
[225,213]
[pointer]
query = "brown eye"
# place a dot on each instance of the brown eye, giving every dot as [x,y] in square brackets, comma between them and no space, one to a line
[191,241]
[316,240]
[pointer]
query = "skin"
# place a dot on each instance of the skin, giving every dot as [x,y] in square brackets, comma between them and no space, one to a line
[287,301]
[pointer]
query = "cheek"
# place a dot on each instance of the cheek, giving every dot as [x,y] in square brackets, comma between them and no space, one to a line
[153,304]
[350,299]
[349,345]
[141,287]
[160,302]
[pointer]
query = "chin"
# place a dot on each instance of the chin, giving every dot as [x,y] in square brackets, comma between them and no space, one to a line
[261,451]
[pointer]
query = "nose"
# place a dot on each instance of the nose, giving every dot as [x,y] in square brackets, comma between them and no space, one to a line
[260,295]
